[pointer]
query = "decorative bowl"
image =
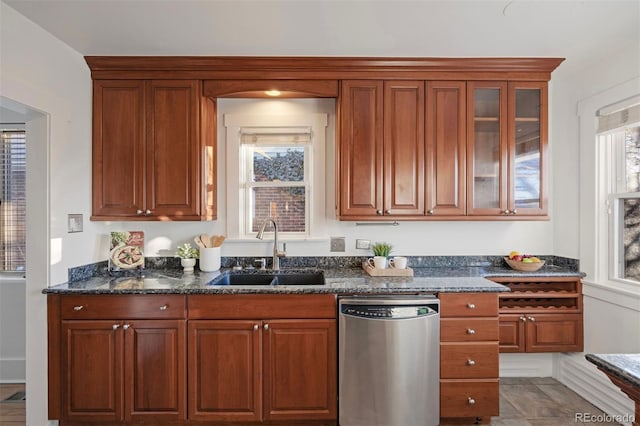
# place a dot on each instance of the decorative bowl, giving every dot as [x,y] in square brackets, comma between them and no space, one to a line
[525,267]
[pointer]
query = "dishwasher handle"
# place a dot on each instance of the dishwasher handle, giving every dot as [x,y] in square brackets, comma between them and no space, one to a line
[389,311]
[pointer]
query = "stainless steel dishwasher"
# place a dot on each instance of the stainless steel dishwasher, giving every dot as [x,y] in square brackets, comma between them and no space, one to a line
[389,361]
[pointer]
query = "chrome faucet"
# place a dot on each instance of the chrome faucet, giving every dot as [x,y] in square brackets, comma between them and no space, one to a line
[276,254]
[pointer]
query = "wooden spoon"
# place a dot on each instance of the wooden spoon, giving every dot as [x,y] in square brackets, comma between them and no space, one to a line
[198,242]
[217,240]
[206,241]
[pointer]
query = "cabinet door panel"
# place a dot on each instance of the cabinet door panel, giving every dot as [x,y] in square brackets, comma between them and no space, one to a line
[446,147]
[173,149]
[155,370]
[487,133]
[118,147]
[225,372]
[361,148]
[92,371]
[404,148]
[527,148]
[300,369]
[555,333]
[512,333]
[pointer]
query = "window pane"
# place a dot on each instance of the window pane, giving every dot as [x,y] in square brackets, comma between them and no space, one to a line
[632,158]
[631,238]
[278,164]
[287,205]
[13,206]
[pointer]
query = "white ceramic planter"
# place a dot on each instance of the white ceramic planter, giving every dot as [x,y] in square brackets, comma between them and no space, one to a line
[188,264]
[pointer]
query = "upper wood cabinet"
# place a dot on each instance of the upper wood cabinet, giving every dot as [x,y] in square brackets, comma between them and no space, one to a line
[153,150]
[446,148]
[382,149]
[506,142]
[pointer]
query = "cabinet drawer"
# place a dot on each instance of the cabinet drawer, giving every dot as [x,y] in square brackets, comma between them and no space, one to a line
[468,329]
[468,360]
[469,398]
[130,306]
[265,306]
[468,304]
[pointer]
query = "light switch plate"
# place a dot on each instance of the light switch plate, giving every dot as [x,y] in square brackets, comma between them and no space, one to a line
[74,223]
[363,244]
[337,244]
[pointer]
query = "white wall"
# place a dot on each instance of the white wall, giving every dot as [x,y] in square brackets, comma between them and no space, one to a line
[12,331]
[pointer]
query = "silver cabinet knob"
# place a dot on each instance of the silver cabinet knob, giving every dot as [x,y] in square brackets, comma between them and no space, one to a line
[514,211]
[255,327]
[430,212]
[388,211]
[138,212]
[115,326]
[532,319]
[78,308]
[471,362]
[126,326]
[523,319]
[471,401]
[379,212]
[266,326]
[471,306]
[163,307]
[471,331]
[147,212]
[507,211]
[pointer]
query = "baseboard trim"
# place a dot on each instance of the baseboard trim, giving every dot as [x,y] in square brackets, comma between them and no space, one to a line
[12,370]
[579,375]
[526,365]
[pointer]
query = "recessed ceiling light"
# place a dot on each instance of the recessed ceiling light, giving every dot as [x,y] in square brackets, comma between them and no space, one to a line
[272,93]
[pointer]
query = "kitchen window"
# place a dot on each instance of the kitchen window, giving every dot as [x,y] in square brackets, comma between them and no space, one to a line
[275,176]
[619,138]
[275,168]
[13,206]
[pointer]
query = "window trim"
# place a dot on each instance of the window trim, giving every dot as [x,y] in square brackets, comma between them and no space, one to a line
[318,123]
[592,211]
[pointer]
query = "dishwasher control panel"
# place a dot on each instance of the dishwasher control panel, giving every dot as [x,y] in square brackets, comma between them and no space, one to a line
[389,311]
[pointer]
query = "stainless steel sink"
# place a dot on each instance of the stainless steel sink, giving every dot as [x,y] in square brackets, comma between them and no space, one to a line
[274,279]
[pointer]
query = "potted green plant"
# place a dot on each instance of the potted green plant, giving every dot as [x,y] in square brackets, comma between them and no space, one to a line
[188,256]
[380,253]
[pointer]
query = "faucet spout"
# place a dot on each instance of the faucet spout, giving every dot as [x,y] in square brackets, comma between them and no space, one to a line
[276,253]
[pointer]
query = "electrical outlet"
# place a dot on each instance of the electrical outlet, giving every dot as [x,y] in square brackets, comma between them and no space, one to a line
[337,244]
[363,244]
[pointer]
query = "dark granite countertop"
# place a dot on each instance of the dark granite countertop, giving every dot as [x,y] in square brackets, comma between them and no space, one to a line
[338,281]
[625,367]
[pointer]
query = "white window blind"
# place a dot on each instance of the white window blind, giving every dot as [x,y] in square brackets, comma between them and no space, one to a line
[12,200]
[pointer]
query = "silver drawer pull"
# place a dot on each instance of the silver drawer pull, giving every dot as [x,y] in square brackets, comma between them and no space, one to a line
[471,306]
[115,326]
[126,326]
[471,362]
[471,331]
[471,401]
[255,327]
[532,319]
[78,308]
[266,326]
[523,319]
[163,307]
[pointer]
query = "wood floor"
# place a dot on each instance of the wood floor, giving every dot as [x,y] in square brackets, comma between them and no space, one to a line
[523,402]
[11,413]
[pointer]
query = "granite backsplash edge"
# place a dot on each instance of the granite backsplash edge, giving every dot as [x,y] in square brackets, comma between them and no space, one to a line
[84,272]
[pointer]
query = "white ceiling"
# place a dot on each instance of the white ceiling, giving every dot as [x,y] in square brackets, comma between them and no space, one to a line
[577,30]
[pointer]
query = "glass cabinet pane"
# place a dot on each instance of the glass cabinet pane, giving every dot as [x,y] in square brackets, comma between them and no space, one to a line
[486,147]
[527,149]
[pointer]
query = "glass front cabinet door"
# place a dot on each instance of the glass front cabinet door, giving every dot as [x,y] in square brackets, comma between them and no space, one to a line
[507,137]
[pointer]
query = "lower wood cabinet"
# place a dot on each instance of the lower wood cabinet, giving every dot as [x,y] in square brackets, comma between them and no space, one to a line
[469,384]
[123,370]
[541,314]
[254,370]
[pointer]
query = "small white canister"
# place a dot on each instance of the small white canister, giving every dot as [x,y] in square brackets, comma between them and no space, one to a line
[210,259]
